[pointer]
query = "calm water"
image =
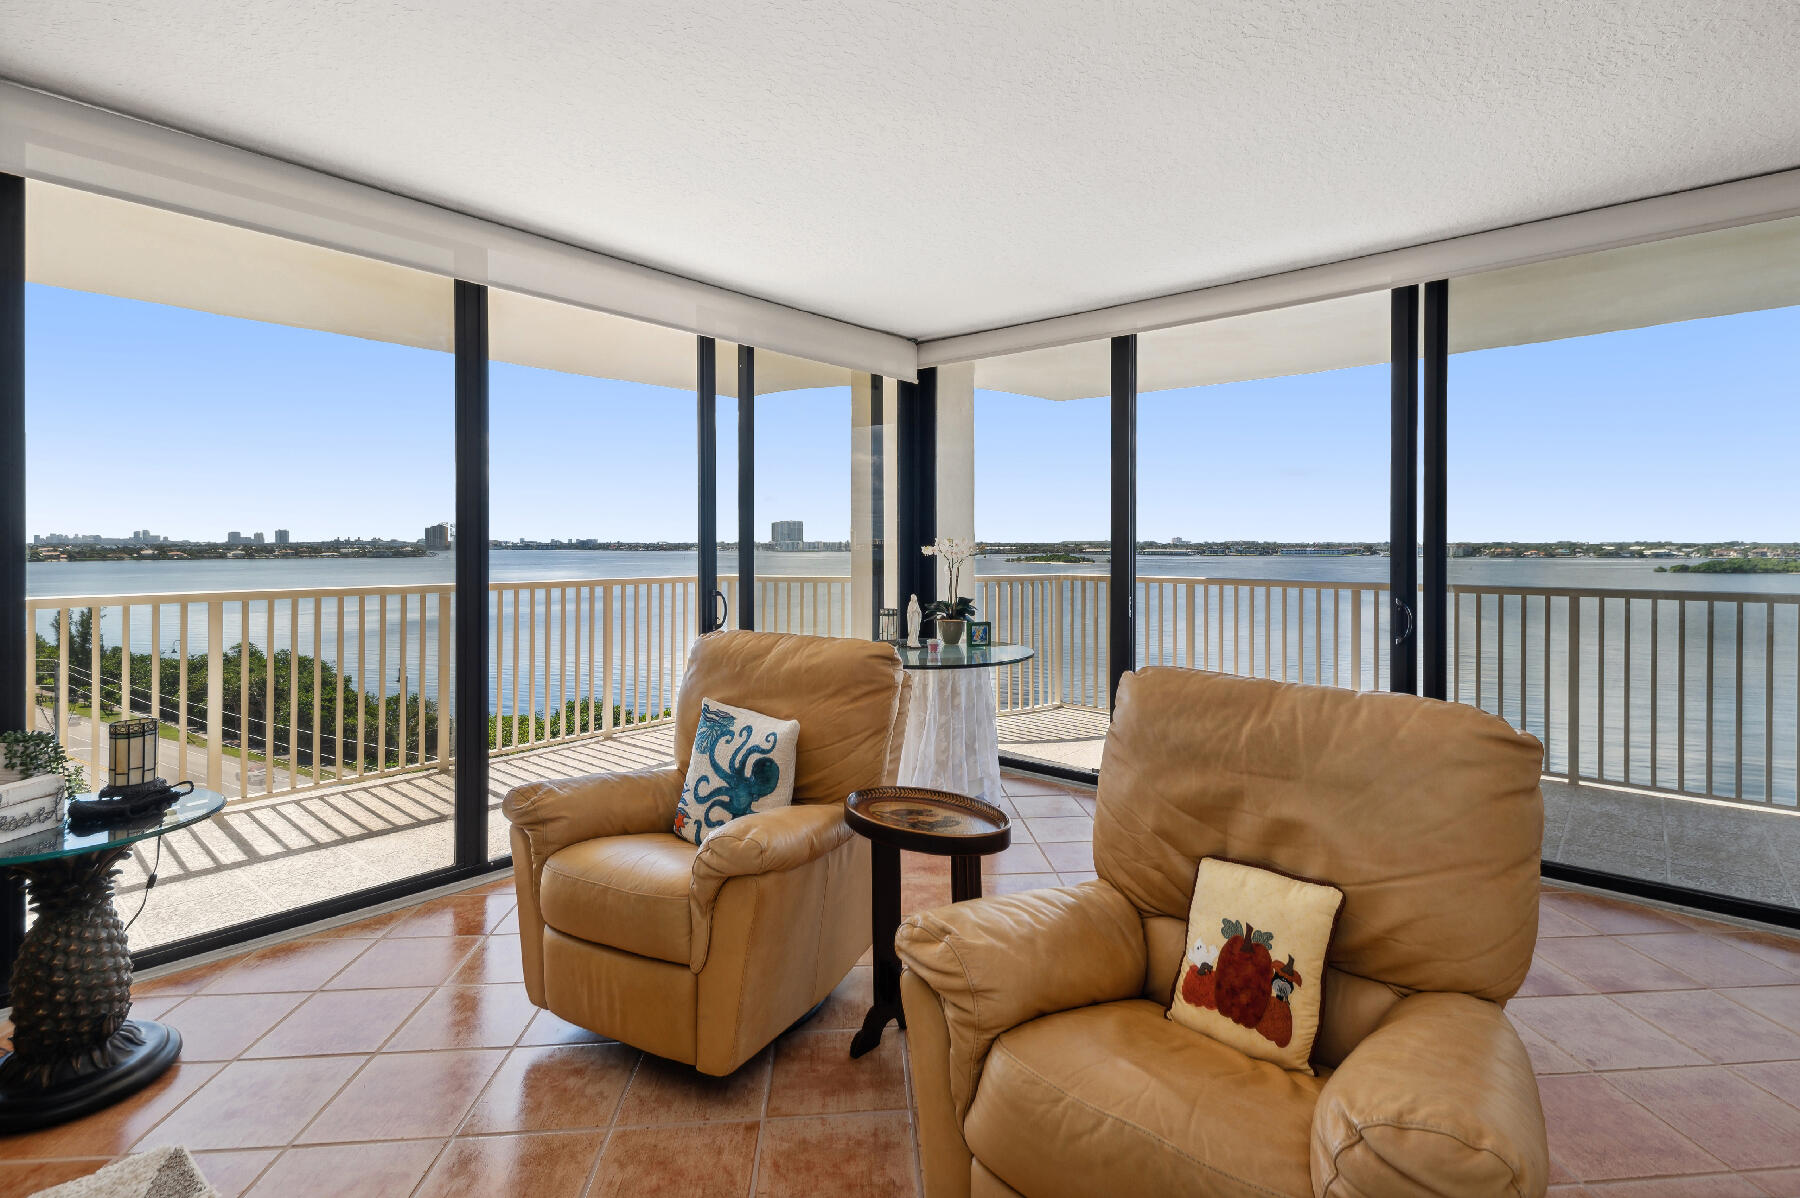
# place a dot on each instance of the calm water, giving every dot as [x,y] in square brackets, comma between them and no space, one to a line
[124,578]
[1703,707]
[1531,688]
[418,629]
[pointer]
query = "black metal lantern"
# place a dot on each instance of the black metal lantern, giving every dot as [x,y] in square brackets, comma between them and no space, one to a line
[890,623]
[131,768]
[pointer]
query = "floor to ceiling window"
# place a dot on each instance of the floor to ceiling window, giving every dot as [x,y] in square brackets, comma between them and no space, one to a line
[1040,473]
[1625,558]
[1263,494]
[593,559]
[240,466]
[804,442]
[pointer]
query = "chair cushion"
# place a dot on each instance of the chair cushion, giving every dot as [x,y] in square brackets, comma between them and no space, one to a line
[844,692]
[742,763]
[629,892]
[1115,1099]
[1255,960]
[1427,815]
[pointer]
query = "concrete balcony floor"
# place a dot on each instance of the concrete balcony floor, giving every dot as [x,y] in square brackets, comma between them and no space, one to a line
[270,855]
[263,856]
[1746,850]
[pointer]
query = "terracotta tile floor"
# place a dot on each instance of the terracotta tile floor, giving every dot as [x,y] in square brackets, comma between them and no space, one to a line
[398,1055]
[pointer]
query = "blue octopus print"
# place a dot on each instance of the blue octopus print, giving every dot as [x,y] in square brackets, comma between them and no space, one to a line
[746,774]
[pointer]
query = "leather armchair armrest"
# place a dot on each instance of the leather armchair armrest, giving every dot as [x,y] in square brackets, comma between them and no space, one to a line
[1438,1099]
[763,842]
[768,842]
[997,962]
[559,812]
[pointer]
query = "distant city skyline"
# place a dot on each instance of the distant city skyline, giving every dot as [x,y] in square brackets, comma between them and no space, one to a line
[1676,432]
[231,538]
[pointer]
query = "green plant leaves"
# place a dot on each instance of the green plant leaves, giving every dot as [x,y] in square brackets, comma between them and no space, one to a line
[35,753]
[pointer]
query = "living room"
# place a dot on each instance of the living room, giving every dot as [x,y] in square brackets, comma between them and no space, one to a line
[1185,600]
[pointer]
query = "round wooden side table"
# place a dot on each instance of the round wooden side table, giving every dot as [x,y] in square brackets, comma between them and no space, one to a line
[918,820]
[75,1047]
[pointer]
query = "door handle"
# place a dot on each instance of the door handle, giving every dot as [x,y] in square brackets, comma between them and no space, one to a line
[721,610]
[1401,608]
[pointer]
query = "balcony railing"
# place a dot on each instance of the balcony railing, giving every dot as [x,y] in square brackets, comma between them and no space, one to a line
[1685,692]
[553,639]
[279,691]
[1266,628]
[273,683]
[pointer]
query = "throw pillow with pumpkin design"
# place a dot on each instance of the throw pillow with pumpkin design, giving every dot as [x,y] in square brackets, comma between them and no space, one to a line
[1256,942]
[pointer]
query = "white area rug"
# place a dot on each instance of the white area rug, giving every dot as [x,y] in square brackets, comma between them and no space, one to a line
[163,1173]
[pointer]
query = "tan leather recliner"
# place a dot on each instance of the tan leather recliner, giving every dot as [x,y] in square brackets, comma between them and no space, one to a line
[704,955]
[1042,1060]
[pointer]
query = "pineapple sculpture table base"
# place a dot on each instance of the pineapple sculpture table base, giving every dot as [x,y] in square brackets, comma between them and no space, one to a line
[75,1048]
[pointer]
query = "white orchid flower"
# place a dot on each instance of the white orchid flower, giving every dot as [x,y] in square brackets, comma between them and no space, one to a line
[955,552]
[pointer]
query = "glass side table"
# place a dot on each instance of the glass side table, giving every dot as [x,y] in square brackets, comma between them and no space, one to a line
[74,1049]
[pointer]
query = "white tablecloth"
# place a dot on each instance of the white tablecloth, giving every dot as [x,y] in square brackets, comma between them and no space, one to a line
[951,739]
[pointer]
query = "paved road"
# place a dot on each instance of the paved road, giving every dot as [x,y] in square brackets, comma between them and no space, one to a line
[80,739]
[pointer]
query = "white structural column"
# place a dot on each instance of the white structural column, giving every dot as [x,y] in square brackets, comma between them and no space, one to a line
[862,496]
[955,465]
[952,741]
[890,467]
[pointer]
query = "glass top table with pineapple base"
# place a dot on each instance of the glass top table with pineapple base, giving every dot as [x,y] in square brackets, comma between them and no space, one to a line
[74,1048]
[952,741]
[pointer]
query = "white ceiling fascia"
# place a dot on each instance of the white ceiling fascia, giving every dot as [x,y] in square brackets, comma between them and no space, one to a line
[62,141]
[934,168]
[1702,210]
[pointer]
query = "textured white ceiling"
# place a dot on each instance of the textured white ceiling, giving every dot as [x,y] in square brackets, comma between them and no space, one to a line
[932,168]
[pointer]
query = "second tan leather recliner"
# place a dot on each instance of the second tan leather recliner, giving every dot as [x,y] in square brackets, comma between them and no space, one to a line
[705,954]
[1042,1060]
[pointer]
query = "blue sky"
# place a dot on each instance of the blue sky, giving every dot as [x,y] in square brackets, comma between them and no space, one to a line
[141,415]
[1683,432]
[193,424]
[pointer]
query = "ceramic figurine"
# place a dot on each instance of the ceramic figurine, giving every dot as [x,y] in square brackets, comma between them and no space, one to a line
[913,619]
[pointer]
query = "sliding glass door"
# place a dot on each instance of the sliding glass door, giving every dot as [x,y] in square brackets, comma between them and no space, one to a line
[1263,494]
[1040,480]
[1625,571]
[240,475]
[594,595]
[799,520]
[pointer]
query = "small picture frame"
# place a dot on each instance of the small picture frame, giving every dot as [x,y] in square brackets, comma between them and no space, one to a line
[981,634]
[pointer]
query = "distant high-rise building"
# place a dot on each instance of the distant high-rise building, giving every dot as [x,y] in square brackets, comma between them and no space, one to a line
[234,537]
[257,537]
[437,537]
[281,536]
[788,534]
